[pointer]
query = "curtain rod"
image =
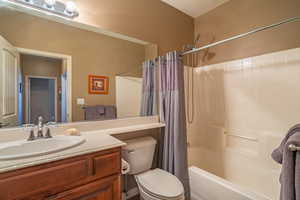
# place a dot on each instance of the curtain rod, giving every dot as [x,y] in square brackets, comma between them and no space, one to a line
[194,50]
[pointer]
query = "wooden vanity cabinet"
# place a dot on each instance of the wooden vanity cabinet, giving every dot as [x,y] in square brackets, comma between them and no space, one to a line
[93,176]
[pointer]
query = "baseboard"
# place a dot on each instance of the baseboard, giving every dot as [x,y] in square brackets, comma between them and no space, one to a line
[132,192]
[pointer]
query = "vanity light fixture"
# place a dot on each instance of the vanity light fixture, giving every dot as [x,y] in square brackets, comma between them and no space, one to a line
[56,7]
[29,1]
[70,7]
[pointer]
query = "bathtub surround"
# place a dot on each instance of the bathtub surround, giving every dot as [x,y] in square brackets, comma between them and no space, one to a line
[245,104]
[290,183]
[172,113]
[243,109]
[149,91]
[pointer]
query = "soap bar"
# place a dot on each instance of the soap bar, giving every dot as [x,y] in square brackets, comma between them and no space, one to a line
[72,132]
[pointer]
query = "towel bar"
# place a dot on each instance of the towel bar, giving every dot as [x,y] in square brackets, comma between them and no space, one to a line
[241,136]
[293,147]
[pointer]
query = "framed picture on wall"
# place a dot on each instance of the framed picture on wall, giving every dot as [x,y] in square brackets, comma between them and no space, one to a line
[98,84]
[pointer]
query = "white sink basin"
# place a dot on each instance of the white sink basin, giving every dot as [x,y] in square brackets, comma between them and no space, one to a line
[23,149]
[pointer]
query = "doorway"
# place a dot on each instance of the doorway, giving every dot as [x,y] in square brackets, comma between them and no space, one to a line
[41,64]
[42,98]
[42,88]
[13,104]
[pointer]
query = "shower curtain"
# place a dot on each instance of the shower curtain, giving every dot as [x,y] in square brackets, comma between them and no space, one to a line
[172,113]
[149,91]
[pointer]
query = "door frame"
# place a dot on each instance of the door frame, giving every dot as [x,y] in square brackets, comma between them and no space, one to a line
[67,60]
[27,95]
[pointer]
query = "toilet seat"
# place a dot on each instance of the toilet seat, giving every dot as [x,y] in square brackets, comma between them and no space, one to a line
[160,184]
[145,196]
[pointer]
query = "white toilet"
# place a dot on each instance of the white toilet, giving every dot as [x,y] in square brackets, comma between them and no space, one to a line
[154,184]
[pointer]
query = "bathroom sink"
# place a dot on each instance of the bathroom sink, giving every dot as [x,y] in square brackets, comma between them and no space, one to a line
[24,149]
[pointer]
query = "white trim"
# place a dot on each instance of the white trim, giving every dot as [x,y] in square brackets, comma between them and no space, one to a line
[43,53]
[27,95]
[68,59]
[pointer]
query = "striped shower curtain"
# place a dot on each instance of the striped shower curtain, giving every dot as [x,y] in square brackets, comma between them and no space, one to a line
[172,113]
[149,91]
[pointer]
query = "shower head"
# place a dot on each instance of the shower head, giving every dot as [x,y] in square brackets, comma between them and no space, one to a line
[192,46]
[197,39]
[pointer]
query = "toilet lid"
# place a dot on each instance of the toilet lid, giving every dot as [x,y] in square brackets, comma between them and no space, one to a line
[161,183]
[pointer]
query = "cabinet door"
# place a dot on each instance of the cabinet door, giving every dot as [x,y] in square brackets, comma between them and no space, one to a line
[106,189]
[9,79]
[105,194]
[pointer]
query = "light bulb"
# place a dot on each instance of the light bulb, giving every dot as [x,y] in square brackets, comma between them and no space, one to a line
[50,3]
[70,7]
[29,1]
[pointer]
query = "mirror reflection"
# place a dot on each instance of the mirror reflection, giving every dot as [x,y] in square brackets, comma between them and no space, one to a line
[65,73]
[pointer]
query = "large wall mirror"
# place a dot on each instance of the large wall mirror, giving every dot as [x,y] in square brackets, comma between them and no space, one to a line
[66,73]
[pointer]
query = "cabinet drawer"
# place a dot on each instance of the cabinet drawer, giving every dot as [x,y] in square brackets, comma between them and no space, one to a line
[43,180]
[107,165]
[104,189]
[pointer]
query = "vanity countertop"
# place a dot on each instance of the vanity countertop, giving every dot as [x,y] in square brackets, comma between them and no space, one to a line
[95,141]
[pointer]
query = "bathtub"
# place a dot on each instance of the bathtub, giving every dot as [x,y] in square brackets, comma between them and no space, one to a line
[206,186]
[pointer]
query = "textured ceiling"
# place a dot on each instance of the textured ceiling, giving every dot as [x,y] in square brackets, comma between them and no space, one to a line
[195,8]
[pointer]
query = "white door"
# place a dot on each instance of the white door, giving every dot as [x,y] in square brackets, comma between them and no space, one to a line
[9,70]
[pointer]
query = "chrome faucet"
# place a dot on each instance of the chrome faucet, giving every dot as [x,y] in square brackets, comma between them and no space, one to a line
[31,127]
[40,128]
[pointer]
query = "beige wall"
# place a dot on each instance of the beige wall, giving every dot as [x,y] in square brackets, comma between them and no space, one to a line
[40,66]
[149,20]
[91,53]
[236,17]
[151,51]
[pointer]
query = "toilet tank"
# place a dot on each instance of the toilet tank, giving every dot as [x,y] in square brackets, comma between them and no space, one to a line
[139,153]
